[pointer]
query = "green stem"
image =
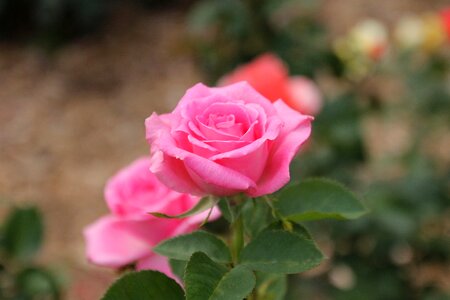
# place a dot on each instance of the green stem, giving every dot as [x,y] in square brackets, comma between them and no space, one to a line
[286,224]
[237,238]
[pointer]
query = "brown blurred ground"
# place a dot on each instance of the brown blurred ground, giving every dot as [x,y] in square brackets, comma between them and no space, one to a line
[68,123]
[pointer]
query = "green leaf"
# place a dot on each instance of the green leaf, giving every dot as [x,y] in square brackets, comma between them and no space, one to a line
[183,246]
[178,267]
[208,280]
[201,276]
[280,251]
[204,204]
[297,228]
[226,210]
[270,286]
[315,199]
[235,285]
[148,285]
[34,282]
[257,215]
[23,233]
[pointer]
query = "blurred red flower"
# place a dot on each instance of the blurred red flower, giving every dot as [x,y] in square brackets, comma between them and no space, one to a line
[445,15]
[270,77]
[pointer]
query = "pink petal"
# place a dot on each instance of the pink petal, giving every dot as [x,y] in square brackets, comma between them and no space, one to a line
[225,146]
[110,242]
[201,148]
[236,110]
[197,91]
[295,132]
[243,90]
[211,133]
[251,165]
[166,163]
[194,130]
[172,173]
[192,223]
[275,125]
[159,136]
[214,178]
[196,106]
[250,135]
[260,118]
[305,95]
[155,262]
[158,263]
[250,120]
[134,191]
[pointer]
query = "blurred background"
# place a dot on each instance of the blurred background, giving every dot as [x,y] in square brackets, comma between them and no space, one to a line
[78,78]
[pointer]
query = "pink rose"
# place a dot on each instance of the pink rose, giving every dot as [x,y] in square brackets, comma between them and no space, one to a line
[305,96]
[127,235]
[270,77]
[224,141]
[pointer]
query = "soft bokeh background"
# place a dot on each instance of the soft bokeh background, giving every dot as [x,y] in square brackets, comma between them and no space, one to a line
[72,112]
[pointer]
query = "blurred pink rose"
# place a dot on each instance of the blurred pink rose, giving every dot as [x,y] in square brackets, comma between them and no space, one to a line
[224,141]
[305,97]
[127,235]
[270,77]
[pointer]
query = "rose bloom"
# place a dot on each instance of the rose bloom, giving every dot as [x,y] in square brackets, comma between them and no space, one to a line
[270,77]
[445,18]
[224,141]
[127,235]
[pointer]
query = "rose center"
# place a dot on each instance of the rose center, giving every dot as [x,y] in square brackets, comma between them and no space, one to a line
[225,123]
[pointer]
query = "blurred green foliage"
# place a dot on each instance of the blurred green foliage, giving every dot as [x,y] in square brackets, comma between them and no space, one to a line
[426,83]
[22,234]
[401,249]
[226,33]
[400,242]
[336,148]
[21,237]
